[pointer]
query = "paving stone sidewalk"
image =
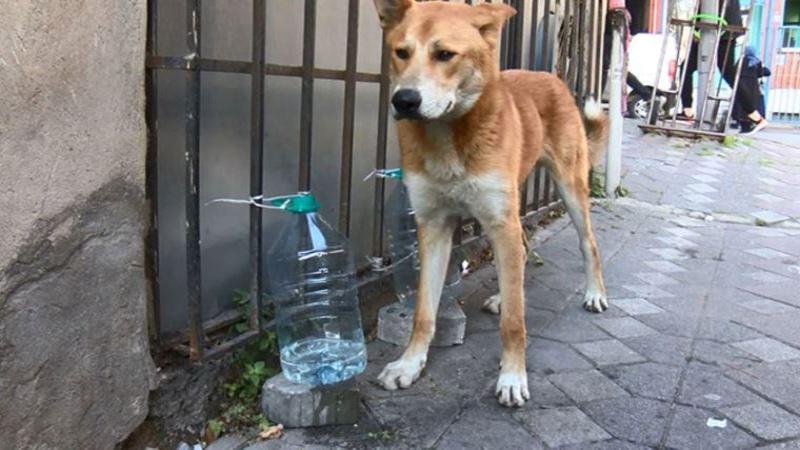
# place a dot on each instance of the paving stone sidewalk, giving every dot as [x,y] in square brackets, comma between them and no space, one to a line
[704,323]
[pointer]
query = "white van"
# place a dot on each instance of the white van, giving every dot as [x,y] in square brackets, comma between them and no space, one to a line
[644,53]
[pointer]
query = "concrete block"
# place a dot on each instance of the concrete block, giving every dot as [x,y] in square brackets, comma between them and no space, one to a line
[302,405]
[395,323]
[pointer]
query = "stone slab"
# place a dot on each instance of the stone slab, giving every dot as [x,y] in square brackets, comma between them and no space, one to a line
[765,420]
[302,405]
[395,322]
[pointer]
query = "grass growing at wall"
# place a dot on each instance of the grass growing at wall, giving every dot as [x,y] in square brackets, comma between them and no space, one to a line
[252,365]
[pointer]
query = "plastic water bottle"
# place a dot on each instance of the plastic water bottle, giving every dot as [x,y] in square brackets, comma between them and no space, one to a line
[401,233]
[312,277]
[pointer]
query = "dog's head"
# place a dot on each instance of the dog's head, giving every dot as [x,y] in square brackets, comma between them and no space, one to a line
[442,55]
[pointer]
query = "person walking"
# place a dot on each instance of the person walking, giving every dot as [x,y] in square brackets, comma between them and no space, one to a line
[749,81]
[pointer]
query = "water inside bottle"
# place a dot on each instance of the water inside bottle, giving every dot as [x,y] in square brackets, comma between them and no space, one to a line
[323,360]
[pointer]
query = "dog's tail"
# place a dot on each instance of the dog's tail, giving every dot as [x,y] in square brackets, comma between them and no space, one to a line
[596,123]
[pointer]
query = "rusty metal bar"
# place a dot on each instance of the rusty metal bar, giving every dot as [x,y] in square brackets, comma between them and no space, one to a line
[518,39]
[192,111]
[546,66]
[546,188]
[537,183]
[151,171]
[257,157]
[244,67]
[380,152]
[504,40]
[534,33]
[346,168]
[307,93]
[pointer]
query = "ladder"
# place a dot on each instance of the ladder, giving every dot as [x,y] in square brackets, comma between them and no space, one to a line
[710,127]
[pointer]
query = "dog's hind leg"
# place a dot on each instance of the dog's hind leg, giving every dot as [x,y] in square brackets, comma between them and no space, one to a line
[435,243]
[512,384]
[575,193]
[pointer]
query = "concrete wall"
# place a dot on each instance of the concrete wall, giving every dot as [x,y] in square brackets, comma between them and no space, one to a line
[75,367]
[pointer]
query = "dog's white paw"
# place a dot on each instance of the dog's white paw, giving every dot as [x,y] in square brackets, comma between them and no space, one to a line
[401,373]
[492,304]
[512,389]
[595,301]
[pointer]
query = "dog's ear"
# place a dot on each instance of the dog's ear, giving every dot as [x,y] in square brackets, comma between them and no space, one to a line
[391,12]
[489,19]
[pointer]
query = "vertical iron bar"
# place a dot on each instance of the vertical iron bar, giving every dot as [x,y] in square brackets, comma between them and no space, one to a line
[504,44]
[593,50]
[546,66]
[151,170]
[192,110]
[534,41]
[519,34]
[307,93]
[380,154]
[257,158]
[547,199]
[585,36]
[346,175]
[519,45]
[601,45]
[537,183]
[565,61]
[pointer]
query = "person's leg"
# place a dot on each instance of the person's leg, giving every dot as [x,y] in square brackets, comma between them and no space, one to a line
[687,90]
[637,86]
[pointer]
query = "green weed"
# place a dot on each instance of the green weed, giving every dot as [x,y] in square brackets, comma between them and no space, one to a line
[597,185]
[383,435]
[704,151]
[251,367]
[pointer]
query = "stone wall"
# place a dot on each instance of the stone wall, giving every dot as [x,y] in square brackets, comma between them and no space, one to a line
[75,366]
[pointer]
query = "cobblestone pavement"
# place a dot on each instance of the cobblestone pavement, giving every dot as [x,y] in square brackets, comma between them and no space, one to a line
[702,264]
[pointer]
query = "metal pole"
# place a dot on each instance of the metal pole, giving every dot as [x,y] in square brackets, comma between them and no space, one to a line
[614,153]
[706,57]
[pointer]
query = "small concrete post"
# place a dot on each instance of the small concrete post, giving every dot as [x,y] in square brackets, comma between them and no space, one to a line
[297,405]
[705,63]
[396,321]
[617,67]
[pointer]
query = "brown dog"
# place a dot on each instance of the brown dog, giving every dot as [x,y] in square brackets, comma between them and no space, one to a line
[469,135]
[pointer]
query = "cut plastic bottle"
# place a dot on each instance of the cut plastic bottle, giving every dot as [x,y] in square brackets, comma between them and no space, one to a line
[401,234]
[312,280]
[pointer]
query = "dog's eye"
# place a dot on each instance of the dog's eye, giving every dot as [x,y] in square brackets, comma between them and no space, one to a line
[402,53]
[443,55]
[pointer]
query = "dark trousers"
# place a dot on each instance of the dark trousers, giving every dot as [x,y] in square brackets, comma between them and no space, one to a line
[746,97]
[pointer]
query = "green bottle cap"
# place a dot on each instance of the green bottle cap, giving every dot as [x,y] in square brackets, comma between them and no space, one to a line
[394,173]
[300,203]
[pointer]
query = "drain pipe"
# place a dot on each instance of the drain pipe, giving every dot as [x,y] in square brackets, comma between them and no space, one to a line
[617,68]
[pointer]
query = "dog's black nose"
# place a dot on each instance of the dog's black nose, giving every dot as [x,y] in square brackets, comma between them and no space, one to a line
[406,102]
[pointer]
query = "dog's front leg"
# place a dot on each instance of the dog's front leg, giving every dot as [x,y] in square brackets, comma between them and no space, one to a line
[435,242]
[512,385]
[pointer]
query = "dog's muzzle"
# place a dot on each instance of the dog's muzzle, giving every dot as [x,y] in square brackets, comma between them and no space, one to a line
[406,103]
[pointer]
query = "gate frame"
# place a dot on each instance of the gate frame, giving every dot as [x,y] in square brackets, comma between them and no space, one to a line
[579,65]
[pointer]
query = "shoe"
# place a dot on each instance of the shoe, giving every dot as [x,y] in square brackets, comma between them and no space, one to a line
[684,117]
[758,126]
[746,127]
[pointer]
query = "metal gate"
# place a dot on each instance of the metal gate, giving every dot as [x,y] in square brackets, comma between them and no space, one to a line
[253,97]
[782,89]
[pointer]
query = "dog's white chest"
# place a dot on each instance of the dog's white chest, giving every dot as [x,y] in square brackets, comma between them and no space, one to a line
[483,196]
